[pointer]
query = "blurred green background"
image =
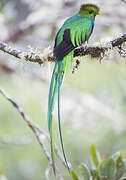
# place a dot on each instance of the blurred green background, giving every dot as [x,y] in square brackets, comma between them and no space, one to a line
[93,102]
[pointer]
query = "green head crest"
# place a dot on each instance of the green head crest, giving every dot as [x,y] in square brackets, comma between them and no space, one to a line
[89,10]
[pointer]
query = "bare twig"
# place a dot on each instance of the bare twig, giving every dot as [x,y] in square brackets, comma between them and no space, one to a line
[47,171]
[35,128]
[58,153]
[59,174]
[94,52]
[29,122]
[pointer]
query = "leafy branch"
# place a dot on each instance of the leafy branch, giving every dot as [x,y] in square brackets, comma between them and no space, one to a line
[111,168]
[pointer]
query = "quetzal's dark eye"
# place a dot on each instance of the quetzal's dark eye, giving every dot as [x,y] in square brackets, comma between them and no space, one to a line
[90,12]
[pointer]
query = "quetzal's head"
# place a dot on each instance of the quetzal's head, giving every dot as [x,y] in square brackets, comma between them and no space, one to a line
[89,10]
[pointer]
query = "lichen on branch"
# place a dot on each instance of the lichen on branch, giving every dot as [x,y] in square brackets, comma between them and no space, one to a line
[47,54]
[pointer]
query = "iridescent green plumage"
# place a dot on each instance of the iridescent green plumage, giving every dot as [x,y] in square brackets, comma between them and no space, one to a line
[75,32]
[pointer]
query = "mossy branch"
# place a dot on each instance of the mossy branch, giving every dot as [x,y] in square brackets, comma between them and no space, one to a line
[47,55]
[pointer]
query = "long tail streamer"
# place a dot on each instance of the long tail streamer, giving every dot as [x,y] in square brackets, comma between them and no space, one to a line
[61,67]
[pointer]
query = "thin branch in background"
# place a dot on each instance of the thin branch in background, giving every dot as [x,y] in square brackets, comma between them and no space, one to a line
[33,125]
[94,52]
[58,153]
[35,128]
[27,120]
[41,144]
[59,174]
[47,171]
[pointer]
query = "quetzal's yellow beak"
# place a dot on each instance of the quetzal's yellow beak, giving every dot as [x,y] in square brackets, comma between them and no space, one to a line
[99,13]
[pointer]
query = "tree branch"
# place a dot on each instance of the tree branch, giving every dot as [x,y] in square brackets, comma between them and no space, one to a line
[47,171]
[28,121]
[28,56]
[47,55]
[35,128]
[99,51]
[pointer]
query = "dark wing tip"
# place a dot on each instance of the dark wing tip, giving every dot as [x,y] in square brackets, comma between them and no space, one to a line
[64,47]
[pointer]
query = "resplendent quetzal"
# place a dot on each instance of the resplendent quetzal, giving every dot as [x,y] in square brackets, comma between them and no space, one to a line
[75,31]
